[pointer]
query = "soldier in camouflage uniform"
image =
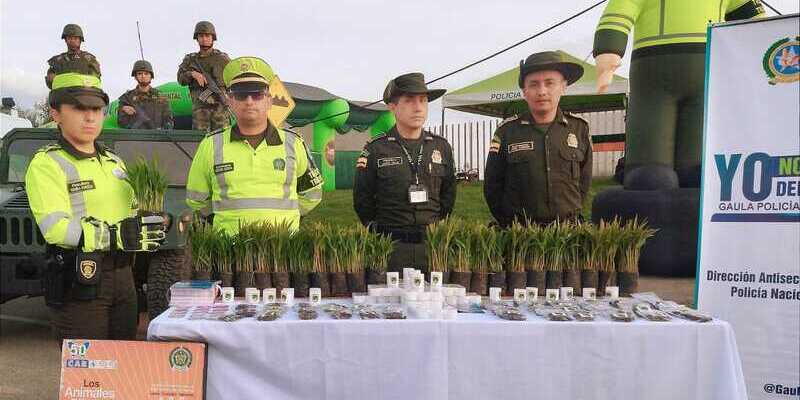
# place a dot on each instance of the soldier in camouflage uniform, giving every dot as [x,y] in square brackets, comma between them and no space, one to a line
[143,107]
[209,108]
[74,59]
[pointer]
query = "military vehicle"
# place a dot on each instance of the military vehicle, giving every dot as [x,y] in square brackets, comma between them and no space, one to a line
[22,245]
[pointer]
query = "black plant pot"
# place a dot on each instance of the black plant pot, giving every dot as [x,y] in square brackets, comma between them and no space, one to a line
[498,279]
[572,278]
[516,280]
[479,283]
[226,278]
[263,280]
[553,279]
[339,284]
[356,282]
[320,280]
[376,277]
[628,283]
[589,279]
[300,283]
[280,280]
[537,279]
[244,280]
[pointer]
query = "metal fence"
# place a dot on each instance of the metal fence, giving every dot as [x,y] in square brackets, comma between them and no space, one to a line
[470,141]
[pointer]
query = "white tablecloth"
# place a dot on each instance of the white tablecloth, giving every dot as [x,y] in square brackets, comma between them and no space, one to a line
[477,356]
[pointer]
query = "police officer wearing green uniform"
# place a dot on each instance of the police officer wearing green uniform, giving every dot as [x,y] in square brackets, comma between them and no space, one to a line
[253,171]
[202,72]
[405,179]
[74,59]
[143,107]
[86,212]
[664,124]
[539,167]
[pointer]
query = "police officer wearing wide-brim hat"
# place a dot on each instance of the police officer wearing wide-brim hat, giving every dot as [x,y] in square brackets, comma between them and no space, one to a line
[405,179]
[86,212]
[253,171]
[74,59]
[539,166]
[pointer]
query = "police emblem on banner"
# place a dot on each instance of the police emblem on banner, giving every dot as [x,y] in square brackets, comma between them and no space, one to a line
[436,157]
[781,62]
[88,269]
[279,164]
[572,141]
[180,359]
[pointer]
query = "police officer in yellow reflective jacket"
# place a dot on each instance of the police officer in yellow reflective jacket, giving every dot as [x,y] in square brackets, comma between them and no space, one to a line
[252,171]
[86,212]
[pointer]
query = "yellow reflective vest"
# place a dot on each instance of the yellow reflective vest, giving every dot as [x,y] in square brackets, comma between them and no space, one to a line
[660,22]
[73,195]
[277,181]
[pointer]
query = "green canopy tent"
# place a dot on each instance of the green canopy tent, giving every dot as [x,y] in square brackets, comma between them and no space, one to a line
[501,97]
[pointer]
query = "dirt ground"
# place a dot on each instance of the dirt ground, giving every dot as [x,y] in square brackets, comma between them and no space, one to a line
[30,359]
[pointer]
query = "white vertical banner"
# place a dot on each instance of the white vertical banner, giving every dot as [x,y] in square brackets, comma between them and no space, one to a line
[749,261]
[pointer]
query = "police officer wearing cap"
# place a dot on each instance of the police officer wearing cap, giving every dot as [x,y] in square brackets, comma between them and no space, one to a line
[143,107]
[405,179]
[539,167]
[74,59]
[253,171]
[86,212]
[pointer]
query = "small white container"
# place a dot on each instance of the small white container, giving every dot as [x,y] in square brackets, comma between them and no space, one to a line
[551,294]
[590,293]
[424,296]
[315,296]
[436,279]
[411,296]
[533,294]
[287,296]
[228,295]
[612,292]
[252,295]
[460,291]
[436,296]
[494,294]
[520,296]
[269,295]
[565,293]
[393,279]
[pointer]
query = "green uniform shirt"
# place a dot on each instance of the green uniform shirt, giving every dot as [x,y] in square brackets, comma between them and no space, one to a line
[79,61]
[72,193]
[152,110]
[662,22]
[538,174]
[239,184]
[213,64]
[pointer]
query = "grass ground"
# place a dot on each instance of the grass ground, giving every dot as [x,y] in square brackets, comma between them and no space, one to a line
[337,206]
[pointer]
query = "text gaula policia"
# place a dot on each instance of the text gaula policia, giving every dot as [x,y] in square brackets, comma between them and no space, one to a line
[775,278]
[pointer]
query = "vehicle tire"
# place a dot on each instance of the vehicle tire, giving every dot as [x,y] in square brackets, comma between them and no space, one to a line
[165,269]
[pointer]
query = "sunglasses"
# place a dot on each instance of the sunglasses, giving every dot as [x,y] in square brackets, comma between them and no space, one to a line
[242,96]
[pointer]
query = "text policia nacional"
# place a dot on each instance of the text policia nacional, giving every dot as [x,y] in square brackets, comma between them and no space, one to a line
[744,284]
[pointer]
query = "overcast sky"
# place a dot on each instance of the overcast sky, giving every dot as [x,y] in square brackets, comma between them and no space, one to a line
[350,48]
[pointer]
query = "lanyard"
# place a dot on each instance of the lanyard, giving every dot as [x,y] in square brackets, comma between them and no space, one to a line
[414,166]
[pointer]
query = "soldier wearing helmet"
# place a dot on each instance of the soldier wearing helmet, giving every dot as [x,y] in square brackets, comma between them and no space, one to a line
[143,107]
[209,110]
[74,59]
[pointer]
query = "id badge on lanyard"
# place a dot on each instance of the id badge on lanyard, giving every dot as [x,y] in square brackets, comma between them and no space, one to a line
[417,193]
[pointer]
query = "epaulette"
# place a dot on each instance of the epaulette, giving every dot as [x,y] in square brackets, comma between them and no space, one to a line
[50,147]
[216,132]
[571,115]
[376,138]
[436,136]
[507,120]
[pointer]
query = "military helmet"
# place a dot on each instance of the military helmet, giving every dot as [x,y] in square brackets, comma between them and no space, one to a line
[142,65]
[72,30]
[205,27]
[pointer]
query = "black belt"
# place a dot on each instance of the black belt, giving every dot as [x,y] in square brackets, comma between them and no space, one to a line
[404,234]
[113,259]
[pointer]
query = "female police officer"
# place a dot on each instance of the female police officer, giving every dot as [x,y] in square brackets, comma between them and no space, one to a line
[85,210]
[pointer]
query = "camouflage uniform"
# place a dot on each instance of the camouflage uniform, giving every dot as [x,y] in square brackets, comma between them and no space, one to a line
[79,61]
[152,110]
[211,114]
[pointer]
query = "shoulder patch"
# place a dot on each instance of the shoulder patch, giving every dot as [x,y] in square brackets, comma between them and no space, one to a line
[507,120]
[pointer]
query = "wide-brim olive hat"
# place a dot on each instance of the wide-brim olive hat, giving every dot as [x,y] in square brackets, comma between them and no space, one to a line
[77,89]
[549,61]
[412,83]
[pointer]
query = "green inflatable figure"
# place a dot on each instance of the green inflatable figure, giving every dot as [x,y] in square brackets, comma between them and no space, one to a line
[332,115]
[665,116]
